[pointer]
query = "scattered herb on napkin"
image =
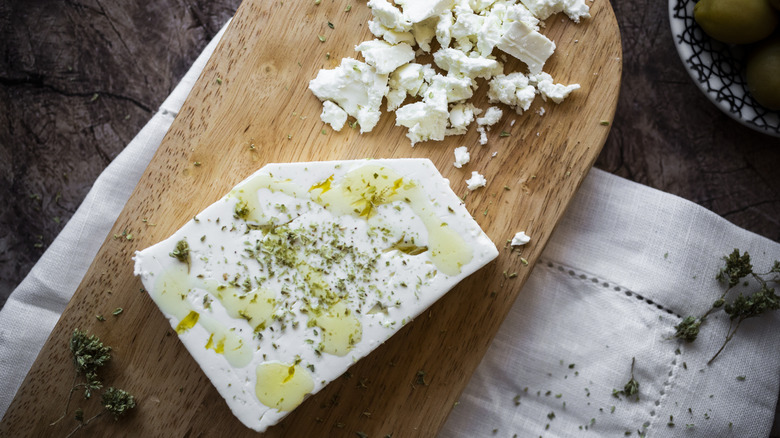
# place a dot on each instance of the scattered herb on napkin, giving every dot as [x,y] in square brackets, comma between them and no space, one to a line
[738,267]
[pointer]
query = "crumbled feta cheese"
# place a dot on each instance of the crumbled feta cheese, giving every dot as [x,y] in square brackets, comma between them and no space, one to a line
[543,8]
[482,135]
[389,16]
[446,20]
[467,23]
[491,117]
[513,90]
[385,57]
[480,5]
[389,35]
[406,79]
[474,28]
[476,181]
[489,34]
[426,120]
[575,9]
[457,89]
[520,239]
[461,156]
[419,10]
[518,12]
[540,111]
[424,32]
[461,116]
[356,87]
[458,63]
[524,43]
[550,90]
[333,115]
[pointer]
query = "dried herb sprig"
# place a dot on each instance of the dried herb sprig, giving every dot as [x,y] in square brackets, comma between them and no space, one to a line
[737,267]
[631,387]
[182,252]
[115,401]
[89,355]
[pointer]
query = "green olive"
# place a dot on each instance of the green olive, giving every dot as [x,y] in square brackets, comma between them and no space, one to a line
[736,21]
[763,73]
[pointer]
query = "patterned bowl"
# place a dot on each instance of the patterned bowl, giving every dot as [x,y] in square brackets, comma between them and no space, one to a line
[717,69]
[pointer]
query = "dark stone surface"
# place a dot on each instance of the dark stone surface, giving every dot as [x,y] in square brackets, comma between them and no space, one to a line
[79,79]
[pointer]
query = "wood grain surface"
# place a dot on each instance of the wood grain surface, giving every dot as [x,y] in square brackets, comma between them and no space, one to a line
[251,106]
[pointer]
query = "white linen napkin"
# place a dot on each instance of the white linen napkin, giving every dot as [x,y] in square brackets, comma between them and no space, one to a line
[625,264]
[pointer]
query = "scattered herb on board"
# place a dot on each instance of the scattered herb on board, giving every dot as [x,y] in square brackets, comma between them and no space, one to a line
[182,252]
[737,267]
[89,355]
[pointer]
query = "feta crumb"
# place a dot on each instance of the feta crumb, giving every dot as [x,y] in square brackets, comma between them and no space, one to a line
[406,79]
[419,10]
[461,156]
[333,115]
[550,90]
[513,90]
[540,111]
[461,116]
[458,63]
[446,20]
[356,87]
[491,117]
[482,135]
[493,155]
[385,57]
[526,44]
[457,89]
[389,16]
[426,120]
[467,24]
[476,181]
[575,9]
[424,32]
[480,5]
[520,239]
[389,35]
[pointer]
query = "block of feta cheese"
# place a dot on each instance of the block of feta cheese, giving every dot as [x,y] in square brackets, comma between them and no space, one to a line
[304,268]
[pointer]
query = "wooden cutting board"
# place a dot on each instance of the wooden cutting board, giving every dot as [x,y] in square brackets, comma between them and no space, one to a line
[251,106]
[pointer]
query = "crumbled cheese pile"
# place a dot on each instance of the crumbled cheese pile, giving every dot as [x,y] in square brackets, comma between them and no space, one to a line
[467,32]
